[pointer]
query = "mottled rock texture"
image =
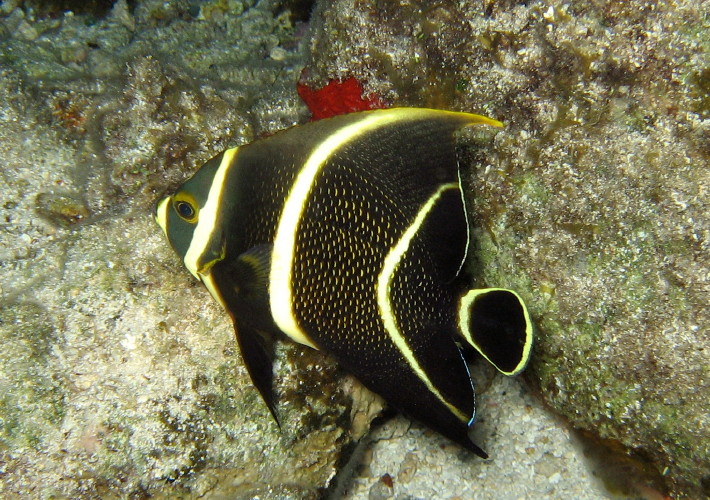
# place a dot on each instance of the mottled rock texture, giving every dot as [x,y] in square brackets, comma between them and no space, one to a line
[592,202]
[119,375]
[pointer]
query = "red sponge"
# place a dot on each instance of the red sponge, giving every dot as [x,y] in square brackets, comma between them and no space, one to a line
[337,98]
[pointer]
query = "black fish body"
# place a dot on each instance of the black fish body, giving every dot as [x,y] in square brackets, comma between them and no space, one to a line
[348,235]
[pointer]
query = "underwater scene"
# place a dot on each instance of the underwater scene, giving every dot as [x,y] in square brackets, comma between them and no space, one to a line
[355,249]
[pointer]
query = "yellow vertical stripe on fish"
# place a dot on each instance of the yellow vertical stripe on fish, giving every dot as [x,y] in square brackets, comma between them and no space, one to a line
[281,292]
[209,214]
[384,283]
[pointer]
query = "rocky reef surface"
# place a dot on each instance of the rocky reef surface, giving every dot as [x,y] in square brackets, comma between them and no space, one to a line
[119,376]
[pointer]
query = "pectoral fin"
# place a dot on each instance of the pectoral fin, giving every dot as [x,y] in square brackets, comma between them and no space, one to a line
[250,278]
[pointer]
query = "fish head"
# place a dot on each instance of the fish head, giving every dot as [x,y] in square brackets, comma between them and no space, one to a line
[191,219]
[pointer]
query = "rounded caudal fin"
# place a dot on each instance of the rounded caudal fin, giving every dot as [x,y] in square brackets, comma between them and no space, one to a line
[496,323]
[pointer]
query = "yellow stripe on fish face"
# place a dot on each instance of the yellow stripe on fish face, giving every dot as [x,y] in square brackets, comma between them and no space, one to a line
[387,314]
[206,227]
[281,292]
[161,214]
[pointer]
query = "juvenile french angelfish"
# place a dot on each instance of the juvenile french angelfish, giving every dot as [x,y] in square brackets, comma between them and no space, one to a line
[348,235]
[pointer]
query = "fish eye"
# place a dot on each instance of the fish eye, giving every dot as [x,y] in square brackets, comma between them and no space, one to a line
[185,207]
[185,210]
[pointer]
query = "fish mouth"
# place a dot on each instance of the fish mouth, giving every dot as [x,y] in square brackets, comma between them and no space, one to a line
[206,269]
